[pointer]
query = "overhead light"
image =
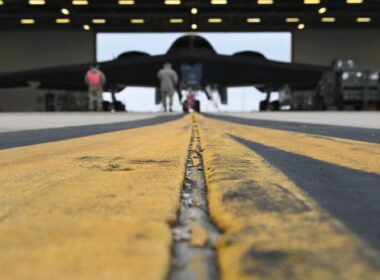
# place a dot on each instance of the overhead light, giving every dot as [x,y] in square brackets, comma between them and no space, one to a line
[215,20]
[126,2]
[99,21]
[311,2]
[37,2]
[80,2]
[176,20]
[194,11]
[301,26]
[265,2]
[328,19]
[27,21]
[219,2]
[322,10]
[172,2]
[354,1]
[291,20]
[62,20]
[363,19]
[1,2]
[86,27]
[65,11]
[137,21]
[253,20]
[194,26]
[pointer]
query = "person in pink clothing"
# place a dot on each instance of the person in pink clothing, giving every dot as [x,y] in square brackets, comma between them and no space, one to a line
[95,79]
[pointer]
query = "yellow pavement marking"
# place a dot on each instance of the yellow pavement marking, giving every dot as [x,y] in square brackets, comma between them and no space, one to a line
[352,154]
[272,230]
[94,207]
[199,236]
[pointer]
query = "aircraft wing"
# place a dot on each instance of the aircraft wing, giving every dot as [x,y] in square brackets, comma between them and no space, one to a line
[235,71]
[227,71]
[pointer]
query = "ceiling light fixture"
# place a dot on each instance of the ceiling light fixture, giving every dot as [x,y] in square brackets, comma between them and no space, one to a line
[292,20]
[172,2]
[215,20]
[363,19]
[137,21]
[62,20]
[219,2]
[265,2]
[322,10]
[99,21]
[65,11]
[27,21]
[37,2]
[80,2]
[328,19]
[253,20]
[176,20]
[354,1]
[311,2]
[126,2]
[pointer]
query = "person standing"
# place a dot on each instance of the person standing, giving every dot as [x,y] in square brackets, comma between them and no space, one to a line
[95,79]
[168,81]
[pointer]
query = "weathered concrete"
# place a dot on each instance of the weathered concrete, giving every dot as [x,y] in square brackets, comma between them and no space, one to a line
[266,188]
[95,207]
[31,121]
[353,119]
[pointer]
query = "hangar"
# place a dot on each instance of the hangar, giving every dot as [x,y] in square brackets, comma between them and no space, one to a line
[42,33]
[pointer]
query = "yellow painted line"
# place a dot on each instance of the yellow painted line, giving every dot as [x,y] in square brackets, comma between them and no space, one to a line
[94,207]
[362,156]
[199,236]
[273,230]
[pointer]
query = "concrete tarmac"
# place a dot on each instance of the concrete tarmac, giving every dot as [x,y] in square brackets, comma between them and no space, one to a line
[292,204]
[32,121]
[311,124]
[350,119]
[349,193]
[293,199]
[31,129]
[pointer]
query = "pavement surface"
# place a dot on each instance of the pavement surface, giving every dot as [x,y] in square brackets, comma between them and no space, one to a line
[31,121]
[292,205]
[33,136]
[93,207]
[315,127]
[292,200]
[353,119]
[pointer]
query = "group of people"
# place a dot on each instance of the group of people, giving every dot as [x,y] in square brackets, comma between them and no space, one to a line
[95,80]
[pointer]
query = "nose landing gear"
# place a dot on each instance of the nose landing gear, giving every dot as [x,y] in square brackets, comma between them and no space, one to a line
[191,103]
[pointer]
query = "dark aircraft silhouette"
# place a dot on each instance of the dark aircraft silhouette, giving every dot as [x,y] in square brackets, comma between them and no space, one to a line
[193,57]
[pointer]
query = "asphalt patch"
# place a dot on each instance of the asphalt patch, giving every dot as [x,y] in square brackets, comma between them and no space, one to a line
[351,196]
[353,133]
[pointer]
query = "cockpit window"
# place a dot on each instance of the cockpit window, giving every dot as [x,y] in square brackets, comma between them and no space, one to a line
[191,43]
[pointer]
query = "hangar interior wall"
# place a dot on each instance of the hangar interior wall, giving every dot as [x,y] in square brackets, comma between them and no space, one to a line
[39,49]
[322,46]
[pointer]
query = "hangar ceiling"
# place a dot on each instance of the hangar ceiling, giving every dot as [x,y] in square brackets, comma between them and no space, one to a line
[188,15]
